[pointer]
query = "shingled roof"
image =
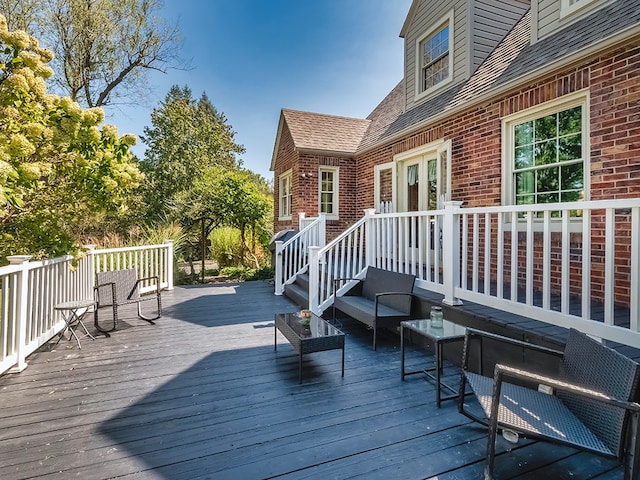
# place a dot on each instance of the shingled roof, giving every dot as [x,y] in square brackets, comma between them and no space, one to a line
[330,133]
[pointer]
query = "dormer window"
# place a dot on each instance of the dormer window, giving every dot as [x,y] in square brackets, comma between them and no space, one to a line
[435,56]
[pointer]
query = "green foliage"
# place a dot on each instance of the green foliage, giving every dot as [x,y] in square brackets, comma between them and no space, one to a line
[59,166]
[186,138]
[226,246]
[247,273]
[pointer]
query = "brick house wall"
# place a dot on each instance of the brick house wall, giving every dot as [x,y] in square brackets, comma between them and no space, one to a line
[304,184]
[287,159]
[476,154]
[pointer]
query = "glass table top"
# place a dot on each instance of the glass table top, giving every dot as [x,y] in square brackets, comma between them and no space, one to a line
[426,327]
[310,327]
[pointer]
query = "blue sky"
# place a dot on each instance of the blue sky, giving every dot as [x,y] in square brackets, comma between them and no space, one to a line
[254,57]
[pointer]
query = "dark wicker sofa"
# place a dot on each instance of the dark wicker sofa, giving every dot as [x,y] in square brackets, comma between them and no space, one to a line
[381,299]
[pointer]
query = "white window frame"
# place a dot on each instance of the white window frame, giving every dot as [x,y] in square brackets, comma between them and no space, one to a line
[377,169]
[566,102]
[446,20]
[285,177]
[441,152]
[335,193]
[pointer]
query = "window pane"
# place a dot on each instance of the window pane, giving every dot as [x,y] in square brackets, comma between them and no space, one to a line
[524,134]
[570,121]
[525,182]
[548,198]
[546,153]
[524,157]
[546,128]
[525,200]
[570,148]
[547,180]
[572,177]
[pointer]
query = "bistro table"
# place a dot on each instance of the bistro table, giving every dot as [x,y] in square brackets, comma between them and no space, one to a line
[72,313]
[447,332]
[315,336]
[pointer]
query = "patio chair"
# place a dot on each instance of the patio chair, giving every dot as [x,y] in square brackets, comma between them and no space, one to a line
[590,405]
[119,288]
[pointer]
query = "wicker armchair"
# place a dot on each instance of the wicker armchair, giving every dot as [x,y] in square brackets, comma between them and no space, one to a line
[119,288]
[591,405]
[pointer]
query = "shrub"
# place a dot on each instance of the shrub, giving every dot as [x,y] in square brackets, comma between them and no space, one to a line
[226,246]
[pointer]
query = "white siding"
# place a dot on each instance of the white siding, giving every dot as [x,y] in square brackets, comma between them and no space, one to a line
[548,16]
[478,26]
[426,15]
[492,20]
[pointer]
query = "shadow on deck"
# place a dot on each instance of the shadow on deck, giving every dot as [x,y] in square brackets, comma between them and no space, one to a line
[202,394]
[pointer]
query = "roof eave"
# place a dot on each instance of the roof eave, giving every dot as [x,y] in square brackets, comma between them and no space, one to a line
[276,146]
[328,153]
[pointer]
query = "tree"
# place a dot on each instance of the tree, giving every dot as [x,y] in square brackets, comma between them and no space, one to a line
[59,165]
[186,137]
[104,48]
[230,198]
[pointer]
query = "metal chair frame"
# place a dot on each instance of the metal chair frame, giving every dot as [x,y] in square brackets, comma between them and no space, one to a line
[122,287]
[592,406]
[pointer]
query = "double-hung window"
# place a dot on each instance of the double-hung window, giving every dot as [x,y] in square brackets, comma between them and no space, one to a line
[328,194]
[285,196]
[434,56]
[546,154]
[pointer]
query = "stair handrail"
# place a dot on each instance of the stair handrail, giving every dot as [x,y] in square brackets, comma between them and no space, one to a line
[292,255]
[343,257]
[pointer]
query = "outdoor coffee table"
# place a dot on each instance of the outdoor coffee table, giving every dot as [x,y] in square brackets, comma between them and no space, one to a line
[318,336]
[447,333]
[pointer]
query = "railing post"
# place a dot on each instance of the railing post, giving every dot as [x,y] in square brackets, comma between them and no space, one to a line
[314,275]
[370,236]
[169,265]
[21,314]
[451,252]
[89,271]
[322,230]
[301,217]
[278,267]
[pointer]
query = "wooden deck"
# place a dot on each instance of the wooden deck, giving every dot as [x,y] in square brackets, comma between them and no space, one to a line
[202,394]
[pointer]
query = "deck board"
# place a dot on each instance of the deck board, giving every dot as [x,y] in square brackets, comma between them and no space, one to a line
[203,394]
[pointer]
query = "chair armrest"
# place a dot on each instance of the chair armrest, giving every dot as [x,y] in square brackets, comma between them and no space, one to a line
[505,371]
[472,333]
[152,277]
[385,294]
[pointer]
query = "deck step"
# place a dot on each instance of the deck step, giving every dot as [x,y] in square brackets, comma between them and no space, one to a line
[298,292]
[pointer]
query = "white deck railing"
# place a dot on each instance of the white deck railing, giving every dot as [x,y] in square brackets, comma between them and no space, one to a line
[29,292]
[552,262]
[292,256]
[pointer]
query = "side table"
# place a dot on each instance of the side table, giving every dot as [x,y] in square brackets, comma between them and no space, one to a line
[449,332]
[72,313]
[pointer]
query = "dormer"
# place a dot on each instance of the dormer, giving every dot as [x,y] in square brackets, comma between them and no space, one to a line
[549,16]
[446,40]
